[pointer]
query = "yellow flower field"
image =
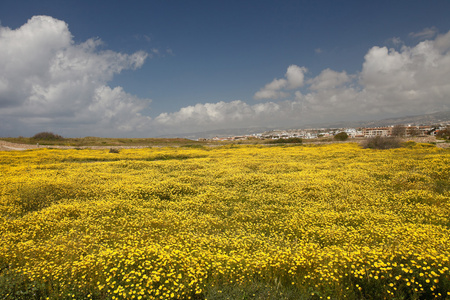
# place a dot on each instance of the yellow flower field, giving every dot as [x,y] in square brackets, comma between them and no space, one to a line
[239,222]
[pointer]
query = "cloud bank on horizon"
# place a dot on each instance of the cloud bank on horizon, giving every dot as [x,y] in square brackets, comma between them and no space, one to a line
[49,82]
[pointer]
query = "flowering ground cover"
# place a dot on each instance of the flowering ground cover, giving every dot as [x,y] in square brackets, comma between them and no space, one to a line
[234,222]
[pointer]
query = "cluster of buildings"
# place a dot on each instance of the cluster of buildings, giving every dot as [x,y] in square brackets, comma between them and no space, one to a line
[313,133]
[400,130]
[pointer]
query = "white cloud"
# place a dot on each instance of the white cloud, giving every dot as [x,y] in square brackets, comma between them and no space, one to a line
[328,79]
[47,78]
[396,41]
[426,33]
[412,80]
[115,107]
[272,90]
[442,42]
[211,116]
[270,94]
[295,76]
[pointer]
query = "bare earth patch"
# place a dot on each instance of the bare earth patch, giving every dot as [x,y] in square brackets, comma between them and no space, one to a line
[7,146]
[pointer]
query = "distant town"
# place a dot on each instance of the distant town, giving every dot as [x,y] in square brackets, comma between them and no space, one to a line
[399,130]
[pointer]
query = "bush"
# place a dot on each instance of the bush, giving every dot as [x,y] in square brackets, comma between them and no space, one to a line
[381,142]
[292,140]
[409,144]
[341,136]
[47,136]
[444,134]
[399,130]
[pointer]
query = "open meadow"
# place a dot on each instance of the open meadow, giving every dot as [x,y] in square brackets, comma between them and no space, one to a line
[230,222]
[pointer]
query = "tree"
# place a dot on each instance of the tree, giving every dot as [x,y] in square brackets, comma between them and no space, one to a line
[398,130]
[47,136]
[341,136]
[444,133]
[414,131]
[381,142]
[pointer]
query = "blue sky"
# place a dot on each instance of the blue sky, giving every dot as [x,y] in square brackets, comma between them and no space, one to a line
[149,68]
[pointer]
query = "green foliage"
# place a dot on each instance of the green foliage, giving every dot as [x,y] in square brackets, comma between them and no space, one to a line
[47,136]
[256,290]
[409,144]
[444,134]
[19,287]
[197,146]
[34,197]
[414,145]
[292,140]
[341,136]
[381,142]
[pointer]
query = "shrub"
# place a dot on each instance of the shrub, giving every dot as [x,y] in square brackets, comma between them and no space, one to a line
[292,140]
[196,146]
[444,134]
[381,142]
[47,136]
[341,136]
[399,130]
[32,197]
[409,144]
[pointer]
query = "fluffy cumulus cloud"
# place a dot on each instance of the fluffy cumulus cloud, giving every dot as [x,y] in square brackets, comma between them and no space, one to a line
[218,115]
[48,82]
[328,79]
[410,80]
[294,78]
